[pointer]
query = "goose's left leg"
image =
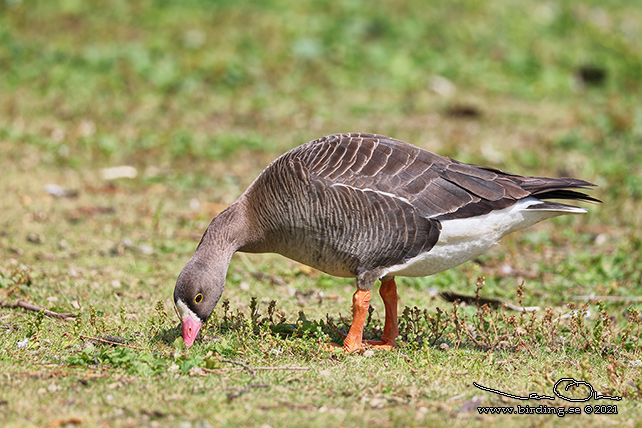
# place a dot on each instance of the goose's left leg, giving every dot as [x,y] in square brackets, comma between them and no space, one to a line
[360,305]
[388,293]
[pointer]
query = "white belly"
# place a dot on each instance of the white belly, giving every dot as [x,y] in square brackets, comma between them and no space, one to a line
[464,239]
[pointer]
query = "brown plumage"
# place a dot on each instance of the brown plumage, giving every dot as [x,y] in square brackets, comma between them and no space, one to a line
[369,206]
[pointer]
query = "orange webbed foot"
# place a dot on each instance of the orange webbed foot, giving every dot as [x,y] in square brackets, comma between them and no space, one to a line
[360,303]
[353,347]
[349,349]
[385,345]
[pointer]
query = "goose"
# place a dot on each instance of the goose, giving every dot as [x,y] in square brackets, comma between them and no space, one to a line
[369,207]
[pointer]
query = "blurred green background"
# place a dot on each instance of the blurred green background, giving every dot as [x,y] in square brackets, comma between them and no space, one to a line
[533,86]
[199,96]
[541,87]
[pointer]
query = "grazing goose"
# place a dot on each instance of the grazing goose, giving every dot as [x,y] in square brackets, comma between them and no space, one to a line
[370,207]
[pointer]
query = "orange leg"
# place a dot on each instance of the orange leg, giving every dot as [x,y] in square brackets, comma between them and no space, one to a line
[360,305]
[388,293]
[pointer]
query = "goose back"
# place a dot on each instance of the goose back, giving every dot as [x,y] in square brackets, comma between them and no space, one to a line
[349,204]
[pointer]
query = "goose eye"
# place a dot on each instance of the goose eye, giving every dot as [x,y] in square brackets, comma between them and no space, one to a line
[198,298]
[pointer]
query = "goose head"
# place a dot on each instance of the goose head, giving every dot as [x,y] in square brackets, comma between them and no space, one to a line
[198,289]
[201,282]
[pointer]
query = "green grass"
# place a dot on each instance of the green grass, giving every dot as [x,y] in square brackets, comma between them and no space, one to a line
[199,97]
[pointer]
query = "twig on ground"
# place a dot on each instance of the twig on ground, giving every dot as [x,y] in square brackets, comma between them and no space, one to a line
[109,342]
[256,369]
[30,307]
[245,366]
[281,368]
[231,396]
[450,296]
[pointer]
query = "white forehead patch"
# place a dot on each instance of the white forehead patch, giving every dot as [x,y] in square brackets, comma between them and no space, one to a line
[184,311]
